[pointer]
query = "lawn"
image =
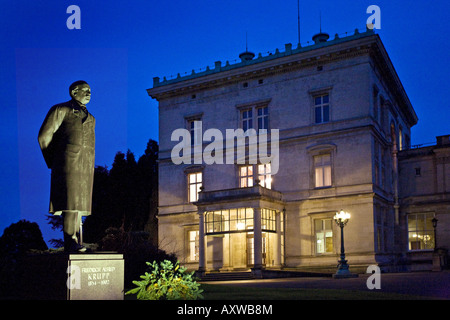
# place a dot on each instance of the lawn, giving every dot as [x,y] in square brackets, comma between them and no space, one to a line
[223,292]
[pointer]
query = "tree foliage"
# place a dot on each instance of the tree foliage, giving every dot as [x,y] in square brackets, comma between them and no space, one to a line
[21,237]
[125,196]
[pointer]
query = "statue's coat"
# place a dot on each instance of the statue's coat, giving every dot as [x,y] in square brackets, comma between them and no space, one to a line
[67,141]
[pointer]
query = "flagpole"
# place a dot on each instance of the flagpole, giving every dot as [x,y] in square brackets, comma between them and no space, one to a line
[298,20]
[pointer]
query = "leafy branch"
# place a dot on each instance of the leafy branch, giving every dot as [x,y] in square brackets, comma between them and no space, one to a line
[166,281]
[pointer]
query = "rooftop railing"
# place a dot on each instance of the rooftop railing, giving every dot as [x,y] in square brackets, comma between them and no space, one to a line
[218,66]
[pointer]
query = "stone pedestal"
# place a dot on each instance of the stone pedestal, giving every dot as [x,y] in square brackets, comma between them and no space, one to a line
[343,272]
[440,257]
[98,276]
[344,275]
[257,273]
[61,276]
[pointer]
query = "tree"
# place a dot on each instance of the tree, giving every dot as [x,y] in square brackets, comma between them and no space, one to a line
[21,237]
[95,225]
[16,241]
[125,196]
[148,168]
[56,221]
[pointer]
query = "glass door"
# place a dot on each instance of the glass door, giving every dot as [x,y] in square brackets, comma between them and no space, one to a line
[251,249]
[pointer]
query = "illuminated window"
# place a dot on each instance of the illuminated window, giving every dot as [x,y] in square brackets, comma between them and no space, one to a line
[246,176]
[322,170]
[268,220]
[238,220]
[193,245]
[241,219]
[230,220]
[264,175]
[322,108]
[194,185]
[324,235]
[420,231]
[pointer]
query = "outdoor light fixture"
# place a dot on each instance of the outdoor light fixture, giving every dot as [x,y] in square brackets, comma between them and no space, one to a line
[434,221]
[341,218]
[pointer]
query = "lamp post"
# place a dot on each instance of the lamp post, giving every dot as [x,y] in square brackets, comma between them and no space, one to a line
[341,218]
[435,221]
[440,255]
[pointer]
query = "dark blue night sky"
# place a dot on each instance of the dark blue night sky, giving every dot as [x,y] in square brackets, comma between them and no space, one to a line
[122,45]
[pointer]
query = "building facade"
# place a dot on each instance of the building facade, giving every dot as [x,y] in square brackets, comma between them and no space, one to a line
[336,117]
[425,195]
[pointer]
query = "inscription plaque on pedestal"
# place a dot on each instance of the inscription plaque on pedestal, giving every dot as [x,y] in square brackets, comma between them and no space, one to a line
[98,276]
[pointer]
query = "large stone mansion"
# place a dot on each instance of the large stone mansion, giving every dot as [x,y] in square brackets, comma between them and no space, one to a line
[343,122]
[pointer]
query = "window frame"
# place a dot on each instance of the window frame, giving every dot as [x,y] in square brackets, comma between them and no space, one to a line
[322,106]
[233,220]
[268,220]
[198,184]
[247,176]
[324,231]
[196,133]
[256,175]
[317,150]
[196,243]
[266,172]
[264,117]
[253,121]
[380,154]
[426,231]
[323,166]
[320,92]
[247,119]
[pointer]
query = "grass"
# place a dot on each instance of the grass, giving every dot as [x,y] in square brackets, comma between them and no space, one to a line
[222,292]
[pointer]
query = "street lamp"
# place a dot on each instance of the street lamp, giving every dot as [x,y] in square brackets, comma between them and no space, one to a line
[341,218]
[435,221]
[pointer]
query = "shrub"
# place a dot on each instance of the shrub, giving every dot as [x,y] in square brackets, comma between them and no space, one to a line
[166,281]
[136,248]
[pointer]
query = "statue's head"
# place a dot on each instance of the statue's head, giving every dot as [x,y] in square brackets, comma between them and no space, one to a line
[80,91]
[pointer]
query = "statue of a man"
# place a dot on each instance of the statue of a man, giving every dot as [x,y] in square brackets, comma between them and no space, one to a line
[67,141]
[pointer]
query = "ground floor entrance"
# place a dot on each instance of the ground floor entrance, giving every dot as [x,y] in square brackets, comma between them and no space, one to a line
[236,251]
[250,250]
[241,239]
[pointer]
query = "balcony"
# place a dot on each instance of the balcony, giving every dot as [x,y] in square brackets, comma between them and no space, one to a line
[256,192]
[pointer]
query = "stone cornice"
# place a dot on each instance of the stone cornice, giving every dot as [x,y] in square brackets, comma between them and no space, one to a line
[389,74]
[360,44]
[318,54]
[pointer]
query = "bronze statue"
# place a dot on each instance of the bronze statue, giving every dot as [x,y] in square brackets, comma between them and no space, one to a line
[67,141]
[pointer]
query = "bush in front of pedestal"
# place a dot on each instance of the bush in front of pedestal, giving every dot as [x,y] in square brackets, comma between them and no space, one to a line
[136,247]
[166,281]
